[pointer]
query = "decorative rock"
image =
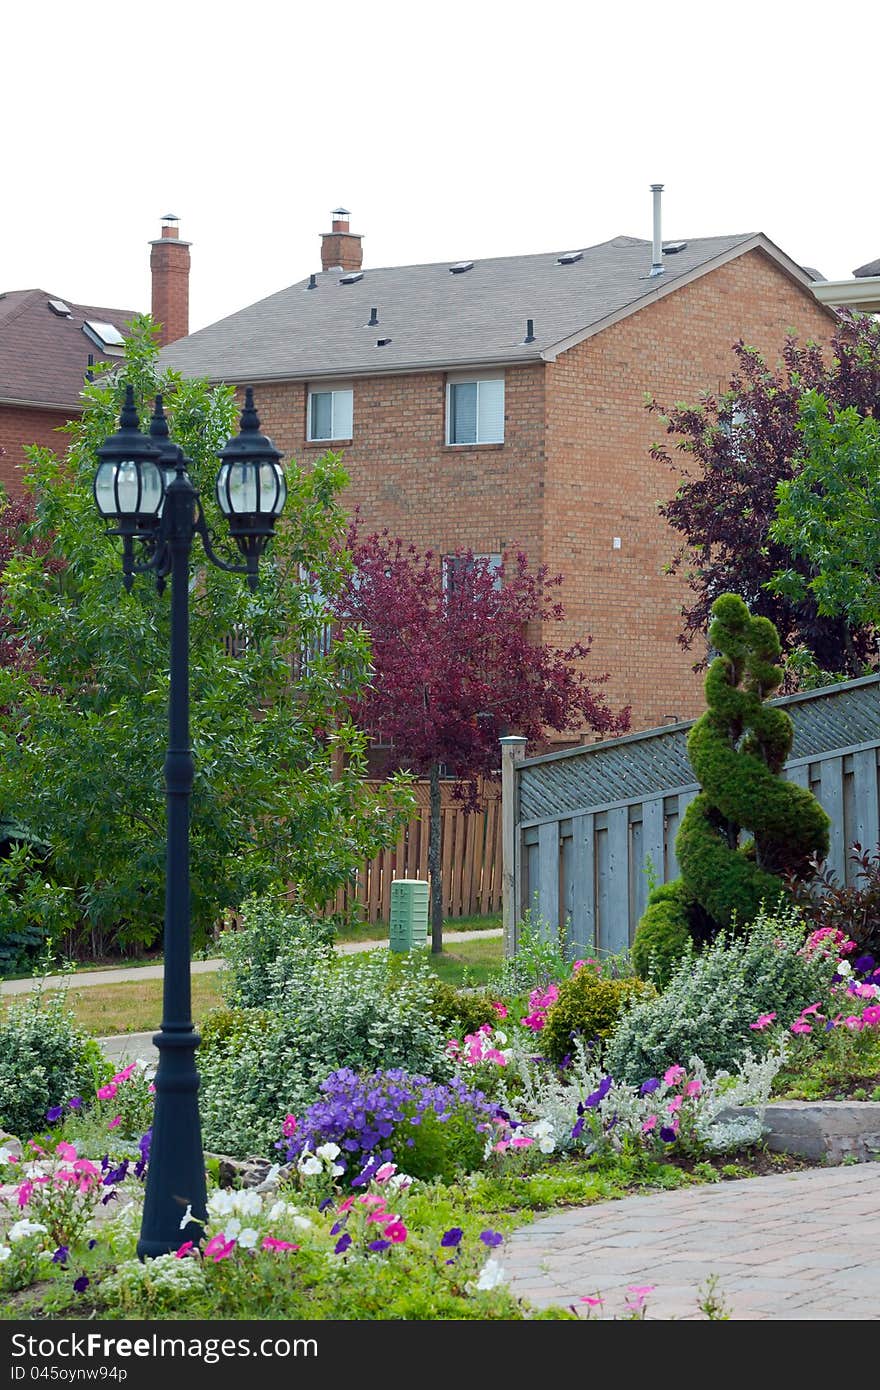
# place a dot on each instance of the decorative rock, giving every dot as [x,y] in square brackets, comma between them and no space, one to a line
[248,1172]
[9,1141]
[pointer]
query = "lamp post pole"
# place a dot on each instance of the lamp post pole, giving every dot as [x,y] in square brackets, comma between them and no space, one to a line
[176,1170]
[142,485]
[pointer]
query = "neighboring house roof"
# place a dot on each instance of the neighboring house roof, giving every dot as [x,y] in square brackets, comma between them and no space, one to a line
[432,317]
[872,268]
[44,351]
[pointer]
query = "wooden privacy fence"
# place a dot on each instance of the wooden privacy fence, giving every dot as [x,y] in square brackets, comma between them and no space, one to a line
[587,831]
[471,858]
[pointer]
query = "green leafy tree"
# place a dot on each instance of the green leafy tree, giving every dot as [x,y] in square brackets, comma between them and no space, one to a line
[828,513]
[279,798]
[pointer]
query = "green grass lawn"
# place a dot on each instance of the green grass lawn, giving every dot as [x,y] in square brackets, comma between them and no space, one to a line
[136,1006]
[378,931]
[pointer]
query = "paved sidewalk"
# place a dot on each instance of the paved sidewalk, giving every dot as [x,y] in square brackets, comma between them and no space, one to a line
[125,974]
[796,1246]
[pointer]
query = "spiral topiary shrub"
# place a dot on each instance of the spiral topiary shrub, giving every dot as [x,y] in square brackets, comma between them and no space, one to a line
[588,1006]
[737,749]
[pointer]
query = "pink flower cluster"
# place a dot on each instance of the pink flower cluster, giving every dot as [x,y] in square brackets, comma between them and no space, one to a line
[689,1090]
[478,1047]
[540,1000]
[828,942]
[108,1091]
[81,1175]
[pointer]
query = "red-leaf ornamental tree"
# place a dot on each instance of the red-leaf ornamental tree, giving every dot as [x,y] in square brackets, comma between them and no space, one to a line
[458,661]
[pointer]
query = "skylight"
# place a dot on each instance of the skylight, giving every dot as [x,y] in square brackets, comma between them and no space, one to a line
[672,248]
[106,335]
[460,267]
[352,278]
[60,308]
[569,257]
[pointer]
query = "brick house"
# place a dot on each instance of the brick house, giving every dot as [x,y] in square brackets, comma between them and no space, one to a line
[500,404]
[48,346]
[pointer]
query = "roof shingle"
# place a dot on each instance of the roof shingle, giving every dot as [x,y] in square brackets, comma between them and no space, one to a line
[44,356]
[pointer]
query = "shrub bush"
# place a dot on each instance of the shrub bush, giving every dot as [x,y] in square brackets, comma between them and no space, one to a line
[44,1060]
[712,999]
[458,1012]
[588,1006]
[853,909]
[325,1012]
[34,912]
[255,953]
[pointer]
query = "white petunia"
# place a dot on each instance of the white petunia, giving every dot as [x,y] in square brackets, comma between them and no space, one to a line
[491,1275]
[328,1152]
[21,1229]
[500,1038]
[187,1217]
[5,1252]
[221,1203]
[248,1202]
[302,1223]
[279,1209]
[309,1165]
[248,1238]
[232,1229]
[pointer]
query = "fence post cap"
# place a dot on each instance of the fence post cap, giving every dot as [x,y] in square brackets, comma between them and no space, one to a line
[513,739]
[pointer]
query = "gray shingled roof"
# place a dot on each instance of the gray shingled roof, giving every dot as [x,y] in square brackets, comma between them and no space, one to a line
[438,319]
[43,356]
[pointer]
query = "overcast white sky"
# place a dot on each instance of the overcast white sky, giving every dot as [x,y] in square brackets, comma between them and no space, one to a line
[450,131]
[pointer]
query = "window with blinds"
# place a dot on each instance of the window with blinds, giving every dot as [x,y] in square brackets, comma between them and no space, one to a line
[331,413]
[475,411]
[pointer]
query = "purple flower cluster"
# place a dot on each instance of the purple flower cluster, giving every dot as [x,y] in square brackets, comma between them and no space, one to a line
[362,1114]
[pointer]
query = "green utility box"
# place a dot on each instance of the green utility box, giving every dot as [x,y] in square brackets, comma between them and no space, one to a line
[408,929]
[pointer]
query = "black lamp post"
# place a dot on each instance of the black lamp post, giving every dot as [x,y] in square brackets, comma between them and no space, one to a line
[143,489]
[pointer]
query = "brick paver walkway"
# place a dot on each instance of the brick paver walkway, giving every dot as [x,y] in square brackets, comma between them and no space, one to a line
[799,1246]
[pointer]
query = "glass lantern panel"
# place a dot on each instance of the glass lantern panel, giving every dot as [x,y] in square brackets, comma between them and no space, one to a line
[152,489]
[128,489]
[243,490]
[105,492]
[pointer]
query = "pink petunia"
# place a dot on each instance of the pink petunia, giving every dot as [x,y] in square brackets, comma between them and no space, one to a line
[871,1016]
[370,1199]
[853,1023]
[66,1151]
[117,1120]
[124,1075]
[649,1124]
[385,1172]
[812,1009]
[593,1302]
[25,1192]
[346,1205]
[501,1147]
[521,1141]
[693,1088]
[578,965]
[673,1075]
[800,1027]
[535,1021]
[289,1126]
[270,1243]
[219,1248]
[499,1008]
[674,1104]
[107,1092]
[763,1021]
[183,1249]
[395,1231]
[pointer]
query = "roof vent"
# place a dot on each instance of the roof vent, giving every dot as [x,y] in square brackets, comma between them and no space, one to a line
[672,248]
[382,342]
[460,267]
[352,277]
[374,318]
[530,331]
[569,257]
[313,282]
[60,308]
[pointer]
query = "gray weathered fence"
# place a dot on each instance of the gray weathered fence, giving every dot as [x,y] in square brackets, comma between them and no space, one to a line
[587,830]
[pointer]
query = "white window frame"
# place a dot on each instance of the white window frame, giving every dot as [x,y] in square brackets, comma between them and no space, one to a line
[331,389]
[472,379]
[495,558]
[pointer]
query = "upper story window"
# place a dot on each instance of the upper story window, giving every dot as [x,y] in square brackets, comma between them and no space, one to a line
[331,412]
[475,410]
[457,570]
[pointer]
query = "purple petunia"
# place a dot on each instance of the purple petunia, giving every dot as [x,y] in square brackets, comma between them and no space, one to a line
[75,1102]
[648,1087]
[81,1284]
[452,1237]
[864,965]
[491,1238]
[61,1255]
[379,1245]
[600,1093]
[54,1113]
[667,1134]
[342,1244]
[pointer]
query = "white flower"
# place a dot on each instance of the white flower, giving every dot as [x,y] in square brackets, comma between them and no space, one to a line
[337,1170]
[221,1203]
[308,1164]
[399,1182]
[844,967]
[24,1228]
[547,1144]
[45,1255]
[491,1275]
[500,1038]
[279,1209]
[328,1152]
[248,1238]
[248,1202]
[302,1223]
[232,1229]
[187,1217]
[5,1252]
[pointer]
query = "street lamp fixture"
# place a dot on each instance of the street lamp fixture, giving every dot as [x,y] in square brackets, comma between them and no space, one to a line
[143,490]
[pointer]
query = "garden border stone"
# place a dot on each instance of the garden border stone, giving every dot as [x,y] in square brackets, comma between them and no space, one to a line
[830,1131]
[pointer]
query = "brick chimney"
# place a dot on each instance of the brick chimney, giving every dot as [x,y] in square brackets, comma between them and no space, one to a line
[340,248]
[169,263]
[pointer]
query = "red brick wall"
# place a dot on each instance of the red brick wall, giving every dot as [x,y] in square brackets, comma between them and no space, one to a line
[169,266]
[18,427]
[602,482]
[404,476]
